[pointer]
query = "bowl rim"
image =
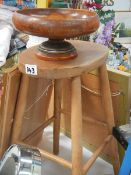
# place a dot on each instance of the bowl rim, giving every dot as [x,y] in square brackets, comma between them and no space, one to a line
[19,12]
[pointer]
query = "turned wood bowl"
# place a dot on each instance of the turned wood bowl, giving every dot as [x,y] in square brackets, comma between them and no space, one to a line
[57,25]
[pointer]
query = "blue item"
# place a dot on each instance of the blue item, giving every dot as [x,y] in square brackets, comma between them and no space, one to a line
[20,4]
[126,164]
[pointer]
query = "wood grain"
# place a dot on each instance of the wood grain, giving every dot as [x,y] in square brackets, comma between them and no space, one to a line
[90,56]
[76,126]
[11,82]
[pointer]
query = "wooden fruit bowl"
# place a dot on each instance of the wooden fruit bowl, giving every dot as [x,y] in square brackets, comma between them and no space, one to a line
[57,25]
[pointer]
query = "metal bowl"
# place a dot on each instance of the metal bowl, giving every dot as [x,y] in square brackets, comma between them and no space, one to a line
[20,160]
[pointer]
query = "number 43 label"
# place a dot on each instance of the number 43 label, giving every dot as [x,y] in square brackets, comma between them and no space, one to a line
[31,69]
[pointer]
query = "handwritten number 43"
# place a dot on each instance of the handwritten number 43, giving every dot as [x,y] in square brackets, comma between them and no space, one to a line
[30,70]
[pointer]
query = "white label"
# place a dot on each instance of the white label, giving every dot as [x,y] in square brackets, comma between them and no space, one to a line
[31,69]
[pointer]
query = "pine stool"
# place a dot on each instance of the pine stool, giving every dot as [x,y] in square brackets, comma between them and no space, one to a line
[90,56]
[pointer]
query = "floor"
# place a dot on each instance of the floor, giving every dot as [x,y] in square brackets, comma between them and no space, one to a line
[100,167]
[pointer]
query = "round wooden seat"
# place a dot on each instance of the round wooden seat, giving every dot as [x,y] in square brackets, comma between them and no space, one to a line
[90,56]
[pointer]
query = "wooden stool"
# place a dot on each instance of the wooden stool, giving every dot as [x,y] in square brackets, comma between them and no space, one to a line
[90,56]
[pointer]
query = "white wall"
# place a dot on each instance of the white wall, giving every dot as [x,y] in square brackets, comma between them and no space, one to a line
[121,5]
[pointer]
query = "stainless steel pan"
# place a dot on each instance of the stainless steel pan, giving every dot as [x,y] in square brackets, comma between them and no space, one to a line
[20,160]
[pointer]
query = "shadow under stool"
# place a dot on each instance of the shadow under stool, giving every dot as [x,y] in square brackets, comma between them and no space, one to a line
[90,56]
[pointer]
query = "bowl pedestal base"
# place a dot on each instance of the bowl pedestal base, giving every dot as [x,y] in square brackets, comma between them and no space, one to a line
[56,50]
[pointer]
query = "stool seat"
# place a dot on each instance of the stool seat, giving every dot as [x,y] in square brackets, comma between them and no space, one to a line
[90,56]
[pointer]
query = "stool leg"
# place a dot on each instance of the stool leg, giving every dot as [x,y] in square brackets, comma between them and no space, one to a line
[57,112]
[107,104]
[20,109]
[76,126]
